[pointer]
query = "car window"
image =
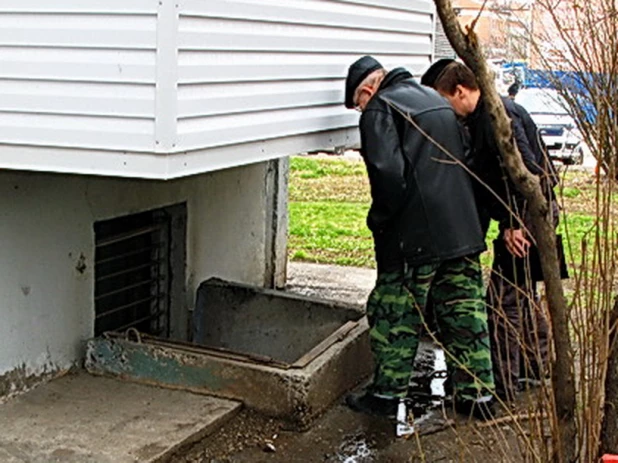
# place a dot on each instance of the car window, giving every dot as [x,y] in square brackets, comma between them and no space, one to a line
[541,101]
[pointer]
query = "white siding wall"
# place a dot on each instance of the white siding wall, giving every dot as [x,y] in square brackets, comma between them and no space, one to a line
[169,88]
[78,73]
[259,69]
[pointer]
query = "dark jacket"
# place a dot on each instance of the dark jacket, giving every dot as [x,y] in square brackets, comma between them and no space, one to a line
[423,208]
[485,160]
[549,174]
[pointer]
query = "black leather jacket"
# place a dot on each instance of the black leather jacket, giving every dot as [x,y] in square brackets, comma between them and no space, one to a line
[423,208]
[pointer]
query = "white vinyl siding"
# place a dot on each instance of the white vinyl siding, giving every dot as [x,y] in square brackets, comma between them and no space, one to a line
[188,82]
[254,69]
[78,74]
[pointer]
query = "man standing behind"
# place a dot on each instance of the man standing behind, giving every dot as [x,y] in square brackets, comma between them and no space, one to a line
[512,91]
[518,326]
[427,239]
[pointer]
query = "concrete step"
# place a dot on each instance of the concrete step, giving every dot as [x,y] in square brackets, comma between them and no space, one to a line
[83,418]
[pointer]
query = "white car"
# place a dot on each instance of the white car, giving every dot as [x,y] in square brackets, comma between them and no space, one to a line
[557,128]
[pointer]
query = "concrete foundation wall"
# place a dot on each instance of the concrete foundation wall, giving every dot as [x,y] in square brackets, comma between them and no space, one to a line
[47,252]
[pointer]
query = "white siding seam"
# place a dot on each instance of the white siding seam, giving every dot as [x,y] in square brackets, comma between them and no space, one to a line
[71,6]
[434,23]
[418,26]
[166,97]
[415,6]
[309,17]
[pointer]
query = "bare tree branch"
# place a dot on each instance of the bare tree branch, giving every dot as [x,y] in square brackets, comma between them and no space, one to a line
[467,47]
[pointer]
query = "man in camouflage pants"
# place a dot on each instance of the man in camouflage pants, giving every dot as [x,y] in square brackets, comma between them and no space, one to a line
[427,239]
[395,312]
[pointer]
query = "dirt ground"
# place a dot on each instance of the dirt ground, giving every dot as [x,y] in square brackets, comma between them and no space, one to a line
[342,435]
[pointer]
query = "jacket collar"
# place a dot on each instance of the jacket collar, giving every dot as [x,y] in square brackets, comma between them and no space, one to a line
[474,115]
[393,77]
[480,108]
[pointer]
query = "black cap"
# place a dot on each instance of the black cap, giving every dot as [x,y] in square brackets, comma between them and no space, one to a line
[513,89]
[357,72]
[434,71]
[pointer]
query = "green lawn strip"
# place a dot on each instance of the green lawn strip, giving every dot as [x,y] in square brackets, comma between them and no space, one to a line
[577,229]
[330,233]
[307,167]
[328,219]
[348,189]
[335,233]
[488,256]
[329,199]
[319,179]
[570,192]
[577,192]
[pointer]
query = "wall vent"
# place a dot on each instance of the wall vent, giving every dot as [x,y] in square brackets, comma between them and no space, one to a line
[133,273]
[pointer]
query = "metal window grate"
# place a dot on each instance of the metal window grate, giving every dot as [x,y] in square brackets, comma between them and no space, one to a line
[132,274]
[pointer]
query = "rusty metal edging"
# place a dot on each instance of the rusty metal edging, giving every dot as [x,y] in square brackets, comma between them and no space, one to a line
[219,352]
[339,335]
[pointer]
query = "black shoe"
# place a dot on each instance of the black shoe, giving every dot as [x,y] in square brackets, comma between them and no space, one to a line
[483,410]
[526,383]
[509,395]
[373,405]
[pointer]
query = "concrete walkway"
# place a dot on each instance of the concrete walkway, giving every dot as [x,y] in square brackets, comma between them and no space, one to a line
[83,418]
[351,285]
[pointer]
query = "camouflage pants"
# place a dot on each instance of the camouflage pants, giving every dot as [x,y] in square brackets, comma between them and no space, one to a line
[395,312]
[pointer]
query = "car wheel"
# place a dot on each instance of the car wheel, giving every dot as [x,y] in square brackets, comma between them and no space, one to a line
[579,157]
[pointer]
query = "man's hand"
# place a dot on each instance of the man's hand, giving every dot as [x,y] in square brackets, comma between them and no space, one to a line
[516,242]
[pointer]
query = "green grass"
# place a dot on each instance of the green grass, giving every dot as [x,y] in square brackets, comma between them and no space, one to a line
[570,192]
[329,200]
[318,168]
[330,232]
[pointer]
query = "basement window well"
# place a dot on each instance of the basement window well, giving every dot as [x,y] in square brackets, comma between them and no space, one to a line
[281,354]
[136,260]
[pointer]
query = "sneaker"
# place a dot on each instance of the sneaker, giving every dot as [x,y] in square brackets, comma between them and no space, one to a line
[482,409]
[373,405]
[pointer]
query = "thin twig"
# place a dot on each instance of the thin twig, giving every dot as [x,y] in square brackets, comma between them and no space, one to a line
[510,419]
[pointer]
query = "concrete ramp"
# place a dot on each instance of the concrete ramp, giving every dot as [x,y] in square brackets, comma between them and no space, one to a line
[83,418]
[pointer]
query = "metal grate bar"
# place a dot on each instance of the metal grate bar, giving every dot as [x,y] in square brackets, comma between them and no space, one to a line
[127,236]
[126,306]
[141,320]
[150,281]
[129,270]
[155,247]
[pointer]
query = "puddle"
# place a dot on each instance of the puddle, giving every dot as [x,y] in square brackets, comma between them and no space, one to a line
[427,394]
[427,384]
[355,449]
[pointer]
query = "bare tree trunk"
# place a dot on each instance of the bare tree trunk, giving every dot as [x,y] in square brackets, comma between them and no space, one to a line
[609,429]
[563,380]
